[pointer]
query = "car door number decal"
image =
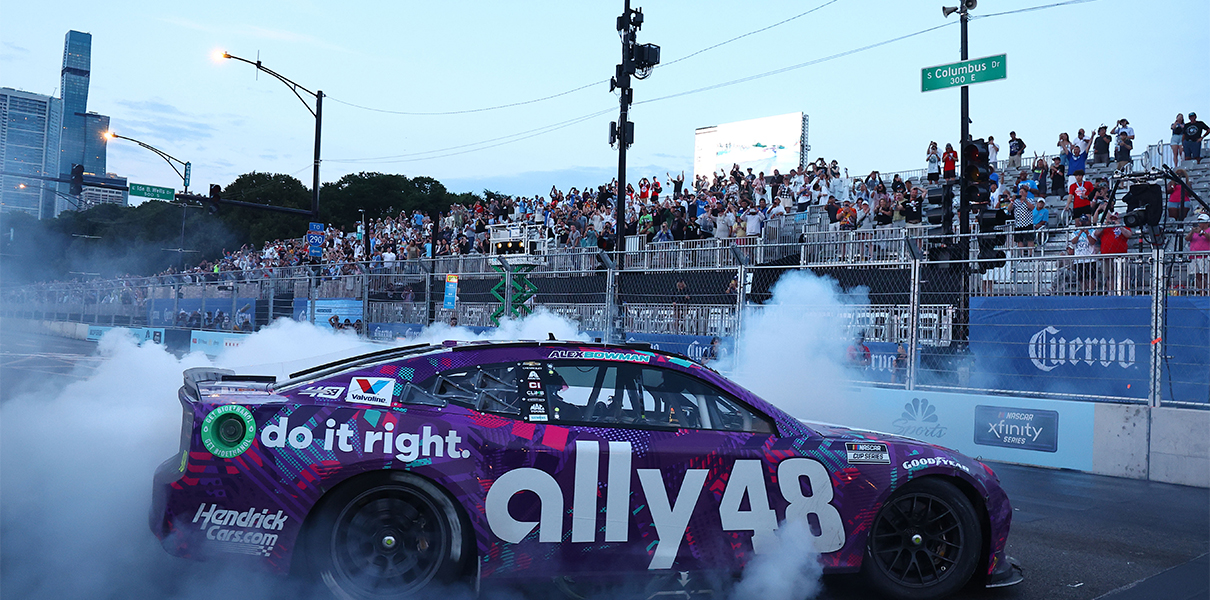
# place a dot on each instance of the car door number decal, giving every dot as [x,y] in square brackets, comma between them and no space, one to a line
[670,505]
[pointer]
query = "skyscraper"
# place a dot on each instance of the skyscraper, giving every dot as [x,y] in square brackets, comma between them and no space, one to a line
[30,126]
[82,141]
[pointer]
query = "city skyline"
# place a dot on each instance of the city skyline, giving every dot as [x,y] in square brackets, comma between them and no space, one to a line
[164,87]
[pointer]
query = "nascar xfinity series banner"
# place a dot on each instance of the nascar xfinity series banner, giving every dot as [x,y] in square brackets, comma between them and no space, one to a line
[1095,346]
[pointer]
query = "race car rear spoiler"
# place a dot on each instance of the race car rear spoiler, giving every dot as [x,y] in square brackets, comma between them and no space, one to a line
[199,375]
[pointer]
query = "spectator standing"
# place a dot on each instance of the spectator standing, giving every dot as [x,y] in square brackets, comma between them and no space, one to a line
[993,149]
[1079,197]
[1058,176]
[1076,159]
[934,164]
[1115,239]
[1123,128]
[1083,244]
[1041,221]
[1194,132]
[1023,219]
[1178,198]
[1199,262]
[1178,137]
[1122,149]
[950,160]
[1016,148]
[1100,146]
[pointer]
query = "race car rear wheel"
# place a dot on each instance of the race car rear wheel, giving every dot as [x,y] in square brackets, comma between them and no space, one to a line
[389,537]
[924,543]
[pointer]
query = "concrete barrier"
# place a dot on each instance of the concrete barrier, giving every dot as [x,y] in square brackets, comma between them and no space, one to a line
[1180,446]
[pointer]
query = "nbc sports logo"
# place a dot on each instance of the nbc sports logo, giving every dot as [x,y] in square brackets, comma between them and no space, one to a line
[371,390]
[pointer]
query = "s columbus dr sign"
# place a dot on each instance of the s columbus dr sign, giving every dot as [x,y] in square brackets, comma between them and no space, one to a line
[979,70]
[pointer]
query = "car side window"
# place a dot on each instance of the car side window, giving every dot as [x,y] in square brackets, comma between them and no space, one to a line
[581,392]
[486,388]
[681,400]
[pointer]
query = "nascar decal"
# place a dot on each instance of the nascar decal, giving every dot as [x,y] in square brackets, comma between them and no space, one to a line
[406,447]
[327,392]
[371,390]
[600,355]
[240,532]
[670,509]
[868,453]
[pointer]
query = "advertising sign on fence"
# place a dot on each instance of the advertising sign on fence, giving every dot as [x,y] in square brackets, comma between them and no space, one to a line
[327,308]
[1088,346]
[451,292]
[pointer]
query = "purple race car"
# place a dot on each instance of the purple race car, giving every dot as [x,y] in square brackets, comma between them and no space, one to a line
[386,473]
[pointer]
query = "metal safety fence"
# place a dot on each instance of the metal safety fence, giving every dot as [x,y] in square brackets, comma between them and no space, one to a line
[911,310]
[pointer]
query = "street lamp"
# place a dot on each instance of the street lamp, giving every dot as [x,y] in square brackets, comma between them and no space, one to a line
[317,112]
[171,160]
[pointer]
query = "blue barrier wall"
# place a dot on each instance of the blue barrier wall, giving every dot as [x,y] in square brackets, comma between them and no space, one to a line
[1096,346]
[159,311]
[325,308]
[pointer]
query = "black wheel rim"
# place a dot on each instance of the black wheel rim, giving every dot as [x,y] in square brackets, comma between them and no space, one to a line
[917,540]
[389,542]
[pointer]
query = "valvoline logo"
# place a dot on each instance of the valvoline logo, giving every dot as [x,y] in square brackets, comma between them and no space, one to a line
[371,390]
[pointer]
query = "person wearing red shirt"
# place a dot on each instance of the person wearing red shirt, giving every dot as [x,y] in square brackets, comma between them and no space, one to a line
[950,160]
[1080,196]
[1114,238]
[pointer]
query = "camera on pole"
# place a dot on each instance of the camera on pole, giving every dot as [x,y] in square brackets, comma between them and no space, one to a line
[638,60]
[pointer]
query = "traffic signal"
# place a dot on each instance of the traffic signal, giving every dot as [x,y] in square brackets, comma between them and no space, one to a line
[977,171]
[77,180]
[216,196]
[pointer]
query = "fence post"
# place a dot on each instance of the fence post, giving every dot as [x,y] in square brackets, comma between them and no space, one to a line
[610,333]
[741,295]
[365,300]
[913,325]
[1158,293]
[312,278]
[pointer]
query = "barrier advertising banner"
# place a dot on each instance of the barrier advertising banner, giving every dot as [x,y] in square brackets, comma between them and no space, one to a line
[1031,431]
[1091,346]
[194,312]
[326,308]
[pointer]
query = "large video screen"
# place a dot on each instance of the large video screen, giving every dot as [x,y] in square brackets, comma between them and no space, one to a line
[763,144]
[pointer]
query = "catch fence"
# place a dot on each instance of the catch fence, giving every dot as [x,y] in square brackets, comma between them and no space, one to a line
[931,314]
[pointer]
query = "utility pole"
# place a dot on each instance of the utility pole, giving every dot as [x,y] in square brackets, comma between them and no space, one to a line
[964,203]
[637,60]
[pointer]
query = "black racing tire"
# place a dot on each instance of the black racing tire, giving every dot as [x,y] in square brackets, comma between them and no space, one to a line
[392,535]
[924,543]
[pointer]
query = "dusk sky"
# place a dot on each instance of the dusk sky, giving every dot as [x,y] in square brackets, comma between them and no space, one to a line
[154,72]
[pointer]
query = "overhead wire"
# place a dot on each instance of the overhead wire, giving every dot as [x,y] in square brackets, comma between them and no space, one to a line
[556,126]
[576,89]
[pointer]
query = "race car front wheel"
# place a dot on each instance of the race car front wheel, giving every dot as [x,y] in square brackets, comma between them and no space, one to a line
[389,537]
[924,543]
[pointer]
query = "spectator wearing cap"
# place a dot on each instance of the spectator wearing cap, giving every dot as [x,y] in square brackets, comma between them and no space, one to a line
[1194,132]
[1199,260]
[1041,220]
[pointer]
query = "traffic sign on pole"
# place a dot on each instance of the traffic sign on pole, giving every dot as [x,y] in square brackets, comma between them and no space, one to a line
[979,70]
[152,191]
[188,167]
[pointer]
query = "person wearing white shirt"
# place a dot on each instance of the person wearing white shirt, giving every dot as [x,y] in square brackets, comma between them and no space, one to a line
[778,210]
[992,149]
[753,221]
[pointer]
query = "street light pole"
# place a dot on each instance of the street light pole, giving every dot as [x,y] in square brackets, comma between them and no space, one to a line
[164,155]
[317,112]
[964,204]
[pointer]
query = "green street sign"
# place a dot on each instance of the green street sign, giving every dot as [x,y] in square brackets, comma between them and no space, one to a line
[979,70]
[152,191]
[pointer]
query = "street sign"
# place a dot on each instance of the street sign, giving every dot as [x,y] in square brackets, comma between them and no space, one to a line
[315,251]
[315,239]
[152,191]
[317,227]
[188,167]
[979,70]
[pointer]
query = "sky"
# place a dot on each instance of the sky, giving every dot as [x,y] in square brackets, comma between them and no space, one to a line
[155,73]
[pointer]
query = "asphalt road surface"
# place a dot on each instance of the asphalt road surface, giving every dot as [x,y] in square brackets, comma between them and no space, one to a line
[1077,536]
[32,362]
[1080,536]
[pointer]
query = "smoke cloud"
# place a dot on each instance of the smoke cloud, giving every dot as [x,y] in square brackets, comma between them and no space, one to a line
[791,351]
[76,466]
[788,570]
